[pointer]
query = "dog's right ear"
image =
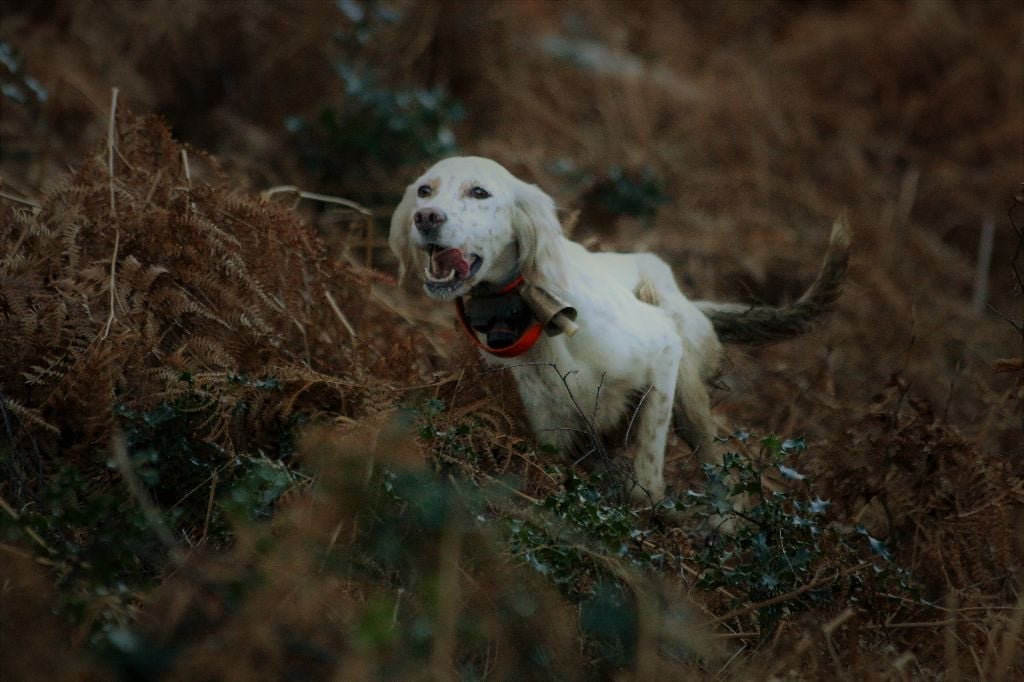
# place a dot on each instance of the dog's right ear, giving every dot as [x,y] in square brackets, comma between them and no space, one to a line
[539,235]
[401,225]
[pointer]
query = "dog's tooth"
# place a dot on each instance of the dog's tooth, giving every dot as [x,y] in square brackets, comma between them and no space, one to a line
[451,275]
[426,272]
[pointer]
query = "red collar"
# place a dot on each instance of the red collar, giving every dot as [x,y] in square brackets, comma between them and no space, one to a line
[520,346]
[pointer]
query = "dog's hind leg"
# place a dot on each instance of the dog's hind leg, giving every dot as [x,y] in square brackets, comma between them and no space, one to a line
[693,420]
[695,425]
[652,422]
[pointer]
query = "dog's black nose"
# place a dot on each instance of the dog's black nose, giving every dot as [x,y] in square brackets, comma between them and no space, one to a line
[429,219]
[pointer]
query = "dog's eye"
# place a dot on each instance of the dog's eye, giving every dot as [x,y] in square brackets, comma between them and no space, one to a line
[424,191]
[479,193]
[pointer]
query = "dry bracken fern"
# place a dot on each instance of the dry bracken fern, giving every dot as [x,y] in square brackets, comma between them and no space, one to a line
[180,289]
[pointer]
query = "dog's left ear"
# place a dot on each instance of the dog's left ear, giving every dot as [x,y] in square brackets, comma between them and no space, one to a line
[536,226]
[398,238]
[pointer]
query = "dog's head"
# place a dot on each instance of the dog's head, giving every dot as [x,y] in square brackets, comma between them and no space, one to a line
[468,221]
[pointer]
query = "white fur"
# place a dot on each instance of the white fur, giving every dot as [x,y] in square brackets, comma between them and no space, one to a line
[624,348]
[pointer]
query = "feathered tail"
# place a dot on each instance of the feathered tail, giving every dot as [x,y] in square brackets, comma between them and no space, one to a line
[739,323]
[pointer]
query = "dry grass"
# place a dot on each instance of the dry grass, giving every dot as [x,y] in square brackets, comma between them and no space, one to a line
[762,121]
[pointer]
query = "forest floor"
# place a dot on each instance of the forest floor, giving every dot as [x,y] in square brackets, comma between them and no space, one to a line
[233,447]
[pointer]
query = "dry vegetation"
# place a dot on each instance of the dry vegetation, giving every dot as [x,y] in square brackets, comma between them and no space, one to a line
[232,448]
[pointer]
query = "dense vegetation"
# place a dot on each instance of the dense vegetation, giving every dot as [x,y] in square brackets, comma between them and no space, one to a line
[232,448]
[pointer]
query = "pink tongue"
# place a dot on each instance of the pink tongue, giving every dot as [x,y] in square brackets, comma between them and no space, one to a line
[452,260]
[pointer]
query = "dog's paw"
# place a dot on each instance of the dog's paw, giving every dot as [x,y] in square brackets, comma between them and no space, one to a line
[719,524]
[645,496]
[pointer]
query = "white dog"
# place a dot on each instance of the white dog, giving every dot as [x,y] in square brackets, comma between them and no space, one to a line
[640,351]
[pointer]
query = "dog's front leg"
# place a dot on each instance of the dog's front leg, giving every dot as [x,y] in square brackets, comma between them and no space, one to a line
[651,424]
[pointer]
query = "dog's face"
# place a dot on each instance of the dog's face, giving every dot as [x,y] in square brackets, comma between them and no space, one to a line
[455,226]
[467,221]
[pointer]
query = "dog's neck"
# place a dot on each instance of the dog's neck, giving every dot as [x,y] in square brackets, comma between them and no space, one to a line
[497,288]
[499,313]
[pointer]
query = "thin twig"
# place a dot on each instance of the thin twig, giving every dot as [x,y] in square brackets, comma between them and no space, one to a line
[188,170]
[113,283]
[149,510]
[597,395]
[1016,327]
[1018,202]
[340,315]
[110,146]
[9,428]
[16,552]
[913,624]
[209,509]
[20,200]
[591,428]
[31,533]
[518,365]
[731,659]
[812,584]
[152,188]
[983,265]
[632,420]
[331,544]
[455,392]
[314,196]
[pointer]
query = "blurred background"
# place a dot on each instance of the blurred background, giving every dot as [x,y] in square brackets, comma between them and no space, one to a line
[725,136]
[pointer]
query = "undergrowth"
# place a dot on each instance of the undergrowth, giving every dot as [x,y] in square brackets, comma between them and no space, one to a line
[138,305]
[601,555]
[97,536]
[783,555]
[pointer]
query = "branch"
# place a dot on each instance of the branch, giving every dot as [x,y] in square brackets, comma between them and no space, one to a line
[110,147]
[113,283]
[814,582]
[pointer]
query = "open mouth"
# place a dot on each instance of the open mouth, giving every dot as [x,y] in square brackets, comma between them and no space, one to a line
[448,269]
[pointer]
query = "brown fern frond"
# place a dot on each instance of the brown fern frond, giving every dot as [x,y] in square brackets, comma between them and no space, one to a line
[27,415]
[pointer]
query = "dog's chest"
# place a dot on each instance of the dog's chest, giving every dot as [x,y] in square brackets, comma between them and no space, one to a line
[564,399]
